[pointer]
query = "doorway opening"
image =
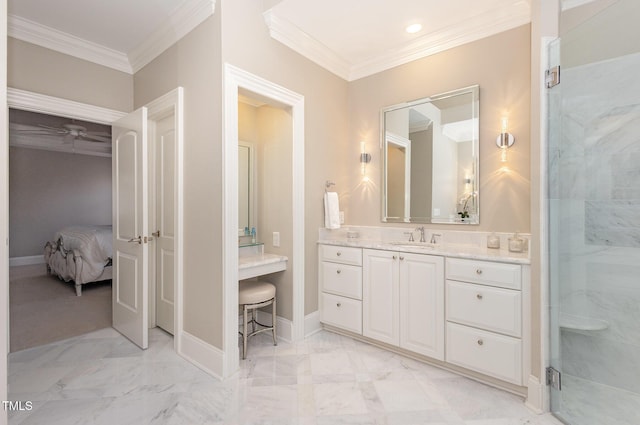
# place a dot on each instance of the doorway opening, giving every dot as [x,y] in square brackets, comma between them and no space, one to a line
[241,83]
[165,122]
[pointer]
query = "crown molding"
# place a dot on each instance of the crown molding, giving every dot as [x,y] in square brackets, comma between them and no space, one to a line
[50,38]
[293,37]
[480,26]
[43,104]
[188,16]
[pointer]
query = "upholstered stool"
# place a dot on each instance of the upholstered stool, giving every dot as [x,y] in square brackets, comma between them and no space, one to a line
[252,296]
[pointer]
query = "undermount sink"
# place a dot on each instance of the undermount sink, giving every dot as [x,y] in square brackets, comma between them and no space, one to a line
[407,244]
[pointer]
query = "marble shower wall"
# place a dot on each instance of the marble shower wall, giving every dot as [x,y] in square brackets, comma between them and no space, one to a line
[595,187]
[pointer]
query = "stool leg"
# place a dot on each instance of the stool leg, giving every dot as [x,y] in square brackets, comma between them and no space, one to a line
[244,333]
[273,321]
[253,319]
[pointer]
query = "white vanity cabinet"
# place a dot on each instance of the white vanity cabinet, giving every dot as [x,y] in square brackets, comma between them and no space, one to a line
[340,280]
[403,300]
[484,318]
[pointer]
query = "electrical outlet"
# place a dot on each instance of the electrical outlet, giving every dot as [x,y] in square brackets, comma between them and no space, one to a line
[341,217]
[276,239]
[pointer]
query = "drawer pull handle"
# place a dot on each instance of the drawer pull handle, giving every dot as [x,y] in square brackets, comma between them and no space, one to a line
[394,257]
[338,304]
[338,253]
[480,342]
[479,296]
[338,271]
[478,271]
[401,258]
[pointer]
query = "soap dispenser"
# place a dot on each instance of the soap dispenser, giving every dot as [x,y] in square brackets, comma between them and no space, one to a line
[493,241]
[253,235]
[516,243]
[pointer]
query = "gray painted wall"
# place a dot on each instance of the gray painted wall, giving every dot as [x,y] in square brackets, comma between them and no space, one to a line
[50,190]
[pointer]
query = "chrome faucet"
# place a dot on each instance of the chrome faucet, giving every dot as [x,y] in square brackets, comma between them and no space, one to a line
[433,238]
[410,236]
[421,229]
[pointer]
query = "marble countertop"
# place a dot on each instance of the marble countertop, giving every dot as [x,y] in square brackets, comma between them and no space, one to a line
[260,264]
[248,261]
[473,252]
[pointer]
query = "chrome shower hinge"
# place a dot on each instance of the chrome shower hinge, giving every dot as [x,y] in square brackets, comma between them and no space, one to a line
[552,77]
[554,378]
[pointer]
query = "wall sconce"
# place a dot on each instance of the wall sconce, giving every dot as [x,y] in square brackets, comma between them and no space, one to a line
[505,139]
[365,158]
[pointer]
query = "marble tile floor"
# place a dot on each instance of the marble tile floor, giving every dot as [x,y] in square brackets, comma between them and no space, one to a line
[328,379]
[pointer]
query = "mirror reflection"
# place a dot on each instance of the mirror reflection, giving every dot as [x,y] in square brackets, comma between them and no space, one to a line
[430,154]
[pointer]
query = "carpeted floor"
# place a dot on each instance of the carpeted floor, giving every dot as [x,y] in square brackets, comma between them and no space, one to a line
[44,309]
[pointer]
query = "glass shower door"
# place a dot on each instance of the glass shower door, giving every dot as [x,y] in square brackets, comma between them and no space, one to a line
[594,214]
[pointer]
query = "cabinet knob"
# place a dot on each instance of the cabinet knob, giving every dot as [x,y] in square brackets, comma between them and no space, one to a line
[480,342]
[338,271]
[478,271]
[338,253]
[338,304]
[394,257]
[401,258]
[479,296]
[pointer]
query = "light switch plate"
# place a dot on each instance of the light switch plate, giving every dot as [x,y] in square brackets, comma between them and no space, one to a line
[276,239]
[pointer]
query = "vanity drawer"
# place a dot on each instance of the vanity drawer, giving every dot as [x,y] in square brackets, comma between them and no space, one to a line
[495,355]
[342,312]
[485,272]
[486,307]
[341,279]
[341,254]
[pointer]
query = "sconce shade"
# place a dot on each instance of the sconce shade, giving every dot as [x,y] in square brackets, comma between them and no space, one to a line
[505,140]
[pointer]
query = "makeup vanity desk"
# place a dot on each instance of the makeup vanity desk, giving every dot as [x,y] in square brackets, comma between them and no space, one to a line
[253,261]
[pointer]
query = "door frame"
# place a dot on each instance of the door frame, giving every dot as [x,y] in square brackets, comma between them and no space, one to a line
[160,107]
[235,79]
[172,103]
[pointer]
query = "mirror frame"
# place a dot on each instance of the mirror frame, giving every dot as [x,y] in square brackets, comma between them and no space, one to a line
[475,190]
[252,196]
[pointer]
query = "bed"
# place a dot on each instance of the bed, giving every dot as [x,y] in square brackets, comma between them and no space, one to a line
[81,254]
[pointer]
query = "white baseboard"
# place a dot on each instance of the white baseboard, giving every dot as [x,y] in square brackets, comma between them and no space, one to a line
[284,327]
[26,261]
[203,355]
[537,396]
[312,323]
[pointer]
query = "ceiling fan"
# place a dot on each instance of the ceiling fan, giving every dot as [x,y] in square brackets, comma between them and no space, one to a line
[70,133]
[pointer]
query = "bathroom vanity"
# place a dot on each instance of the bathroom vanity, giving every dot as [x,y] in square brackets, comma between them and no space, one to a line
[456,303]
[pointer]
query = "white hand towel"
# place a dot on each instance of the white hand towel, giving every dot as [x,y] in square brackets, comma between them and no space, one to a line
[331,211]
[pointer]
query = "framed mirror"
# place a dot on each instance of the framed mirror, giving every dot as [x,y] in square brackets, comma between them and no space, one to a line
[246,187]
[430,152]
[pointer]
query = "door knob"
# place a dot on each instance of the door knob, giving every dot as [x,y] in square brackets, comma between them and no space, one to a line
[156,233]
[138,239]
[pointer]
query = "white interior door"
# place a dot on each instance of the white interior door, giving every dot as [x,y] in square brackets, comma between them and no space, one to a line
[164,234]
[130,227]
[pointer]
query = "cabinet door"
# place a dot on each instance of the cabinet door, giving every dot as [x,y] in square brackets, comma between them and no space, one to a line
[422,304]
[381,319]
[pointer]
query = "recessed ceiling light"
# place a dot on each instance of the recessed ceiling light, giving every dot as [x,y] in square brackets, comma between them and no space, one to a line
[414,28]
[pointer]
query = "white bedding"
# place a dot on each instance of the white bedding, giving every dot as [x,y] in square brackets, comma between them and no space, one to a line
[80,253]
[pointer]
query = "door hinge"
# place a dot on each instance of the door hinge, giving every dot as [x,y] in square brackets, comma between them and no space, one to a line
[554,378]
[552,77]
